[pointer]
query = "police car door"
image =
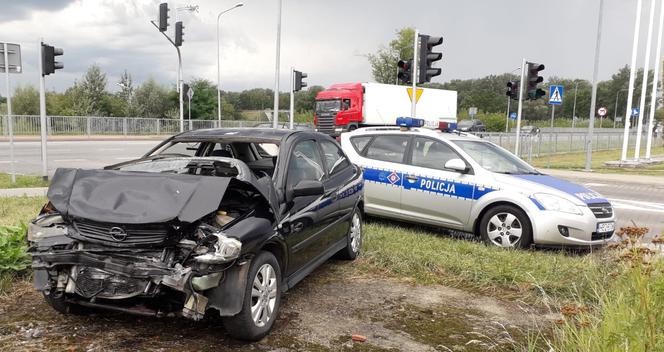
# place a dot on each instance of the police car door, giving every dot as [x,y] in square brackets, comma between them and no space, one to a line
[383,167]
[431,193]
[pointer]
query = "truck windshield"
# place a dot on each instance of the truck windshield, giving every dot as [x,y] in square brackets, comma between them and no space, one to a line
[328,105]
[495,159]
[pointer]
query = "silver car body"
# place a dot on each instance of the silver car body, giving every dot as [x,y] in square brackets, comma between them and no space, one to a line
[456,200]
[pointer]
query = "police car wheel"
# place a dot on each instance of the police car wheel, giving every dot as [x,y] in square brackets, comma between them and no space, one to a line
[506,226]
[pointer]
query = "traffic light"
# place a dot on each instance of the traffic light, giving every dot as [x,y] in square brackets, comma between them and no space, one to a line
[299,83]
[404,71]
[163,17]
[178,33]
[185,88]
[533,79]
[49,65]
[428,57]
[513,90]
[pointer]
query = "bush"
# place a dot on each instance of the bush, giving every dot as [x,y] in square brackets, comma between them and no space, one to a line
[14,260]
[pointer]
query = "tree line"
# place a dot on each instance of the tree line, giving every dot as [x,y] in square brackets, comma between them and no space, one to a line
[89,96]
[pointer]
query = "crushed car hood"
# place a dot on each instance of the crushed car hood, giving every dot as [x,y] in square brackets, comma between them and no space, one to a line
[135,197]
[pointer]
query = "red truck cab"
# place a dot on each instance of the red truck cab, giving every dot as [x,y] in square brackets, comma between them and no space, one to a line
[339,108]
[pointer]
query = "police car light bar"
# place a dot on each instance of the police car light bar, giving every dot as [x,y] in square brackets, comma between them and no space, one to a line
[409,122]
[447,126]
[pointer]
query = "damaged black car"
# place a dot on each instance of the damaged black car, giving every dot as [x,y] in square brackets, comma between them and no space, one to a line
[219,221]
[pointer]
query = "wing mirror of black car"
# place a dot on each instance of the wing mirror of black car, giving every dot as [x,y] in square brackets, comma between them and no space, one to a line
[457,165]
[308,188]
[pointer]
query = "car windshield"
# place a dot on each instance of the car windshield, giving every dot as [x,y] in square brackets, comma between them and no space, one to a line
[495,159]
[465,123]
[328,105]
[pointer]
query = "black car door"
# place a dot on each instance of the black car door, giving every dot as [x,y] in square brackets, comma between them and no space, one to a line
[304,234]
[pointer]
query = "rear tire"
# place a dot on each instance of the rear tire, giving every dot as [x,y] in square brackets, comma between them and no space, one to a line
[262,297]
[506,226]
[60,304]
[353,238]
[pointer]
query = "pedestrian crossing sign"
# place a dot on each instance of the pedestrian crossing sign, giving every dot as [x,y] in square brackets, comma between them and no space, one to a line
[556,95]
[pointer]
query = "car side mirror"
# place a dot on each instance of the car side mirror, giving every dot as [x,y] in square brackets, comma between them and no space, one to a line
[457,165]
[308,188]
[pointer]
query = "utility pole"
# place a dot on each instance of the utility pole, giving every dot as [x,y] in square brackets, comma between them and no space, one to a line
[292,97]
[42,112]
[507,119]
[413,97]
[519,109]
[10,118]
[275,115]
[593,95]
[632,77]
[219,62]
[653,94]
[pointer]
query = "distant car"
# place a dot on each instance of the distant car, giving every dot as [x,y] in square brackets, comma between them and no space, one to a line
[533,130]
[471,126]
[208,221]
[462,182]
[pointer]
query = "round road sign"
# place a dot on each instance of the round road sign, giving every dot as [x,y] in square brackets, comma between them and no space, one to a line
[602,111]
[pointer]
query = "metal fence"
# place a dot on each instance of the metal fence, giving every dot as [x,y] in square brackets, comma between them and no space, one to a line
[29,125]
[531,145]
[554,142]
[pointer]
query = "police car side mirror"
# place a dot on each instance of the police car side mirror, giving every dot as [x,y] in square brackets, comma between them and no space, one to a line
[456,165]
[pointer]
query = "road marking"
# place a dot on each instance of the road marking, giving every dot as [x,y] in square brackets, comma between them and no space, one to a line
[596,184]
[127,158]
[110,149]
[68,160]
[637,205]
[5,161]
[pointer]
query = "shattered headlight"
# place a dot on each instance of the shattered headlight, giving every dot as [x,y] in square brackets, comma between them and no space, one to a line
[46,226]
[225,250]
[555,203]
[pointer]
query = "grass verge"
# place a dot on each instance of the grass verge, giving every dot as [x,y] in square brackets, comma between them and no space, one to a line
[17,210]
[22,181]
[577,161]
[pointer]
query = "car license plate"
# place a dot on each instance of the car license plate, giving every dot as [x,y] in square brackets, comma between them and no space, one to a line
[605,227]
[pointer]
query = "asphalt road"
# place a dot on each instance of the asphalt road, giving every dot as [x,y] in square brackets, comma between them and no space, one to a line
[79,154]
[642,202]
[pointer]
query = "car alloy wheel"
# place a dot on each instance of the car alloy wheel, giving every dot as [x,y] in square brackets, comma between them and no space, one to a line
[263,295]
[504,230]
[356,233]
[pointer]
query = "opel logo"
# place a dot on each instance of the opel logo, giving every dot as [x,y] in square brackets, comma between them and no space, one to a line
[117,233]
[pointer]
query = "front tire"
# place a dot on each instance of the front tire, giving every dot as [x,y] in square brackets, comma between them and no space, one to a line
[506,226]
[262,298]
[353,238]
[59,303]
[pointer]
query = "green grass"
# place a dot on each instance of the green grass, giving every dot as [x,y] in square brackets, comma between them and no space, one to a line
[430,257]
[17,210]
[577,161]
[21,181]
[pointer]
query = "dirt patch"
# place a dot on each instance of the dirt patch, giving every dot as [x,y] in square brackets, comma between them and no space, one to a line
[320,314]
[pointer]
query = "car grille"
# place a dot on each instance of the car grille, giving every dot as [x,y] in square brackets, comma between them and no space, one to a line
[601,236]
[92,282]
[601,210]
[121,235]
[325,123]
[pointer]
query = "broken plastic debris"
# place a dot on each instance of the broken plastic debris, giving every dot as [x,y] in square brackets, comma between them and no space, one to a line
[358,338]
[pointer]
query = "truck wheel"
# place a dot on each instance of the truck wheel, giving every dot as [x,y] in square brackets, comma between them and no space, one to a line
[353,238]
[262,297]
[506,226]
[58,302]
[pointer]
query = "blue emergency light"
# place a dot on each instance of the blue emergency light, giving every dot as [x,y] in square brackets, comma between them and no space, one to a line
[409,122]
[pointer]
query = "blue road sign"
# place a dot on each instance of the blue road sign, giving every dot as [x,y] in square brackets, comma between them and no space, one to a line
[513,115]
[556,95]
[635,111]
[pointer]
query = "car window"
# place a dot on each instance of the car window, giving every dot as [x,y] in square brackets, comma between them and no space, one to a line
[182,148]
[360,142]
[305,163]
[431,154]
[495,159]
[334,158]
[388,148]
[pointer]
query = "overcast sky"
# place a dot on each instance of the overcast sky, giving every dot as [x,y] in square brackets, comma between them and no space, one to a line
[327,39]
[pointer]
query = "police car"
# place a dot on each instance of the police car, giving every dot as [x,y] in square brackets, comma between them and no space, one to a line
[462,182]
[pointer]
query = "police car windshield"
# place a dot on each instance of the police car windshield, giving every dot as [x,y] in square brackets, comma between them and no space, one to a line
[494,158]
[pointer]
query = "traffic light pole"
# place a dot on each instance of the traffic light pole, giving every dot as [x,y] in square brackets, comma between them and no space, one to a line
[507,118]
[519,109]
[42,113]
[413,97]
[275,113]
[292,97]
[179,74]
[10,122]
[653,94]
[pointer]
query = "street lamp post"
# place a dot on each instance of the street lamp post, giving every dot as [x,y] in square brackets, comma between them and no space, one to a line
[239,4]
[576,88]
[275,114]
[615,110]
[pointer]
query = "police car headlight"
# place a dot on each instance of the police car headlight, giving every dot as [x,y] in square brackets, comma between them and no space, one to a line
[555,203]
